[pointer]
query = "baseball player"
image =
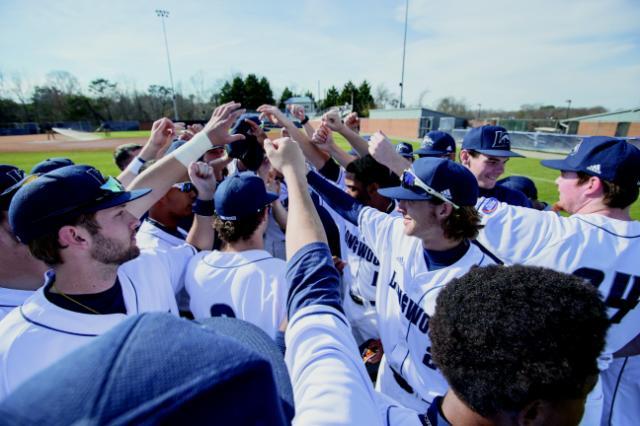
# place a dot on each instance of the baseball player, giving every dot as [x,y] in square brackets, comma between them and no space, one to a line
[405,149]
[241,280]
[20,273]
[419,253]
[597,184]
[518,345]
[485,151]
[83,226]
[437,144]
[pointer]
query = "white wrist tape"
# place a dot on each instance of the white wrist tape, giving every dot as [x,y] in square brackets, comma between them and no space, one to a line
[135,165]
[192,150]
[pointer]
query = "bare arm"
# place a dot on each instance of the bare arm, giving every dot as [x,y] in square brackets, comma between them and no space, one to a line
[332,120]
[382,151]
[201,234]
[287,157]
[323,140]
[162,132]
[315,157]
[170,168]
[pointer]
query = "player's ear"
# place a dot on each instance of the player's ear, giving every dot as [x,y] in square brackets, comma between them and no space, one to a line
[72,236]
[535,413]
[464,157]
[372,189]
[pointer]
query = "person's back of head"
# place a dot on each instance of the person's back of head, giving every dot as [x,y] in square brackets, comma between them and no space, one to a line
[519,342]
[123,154]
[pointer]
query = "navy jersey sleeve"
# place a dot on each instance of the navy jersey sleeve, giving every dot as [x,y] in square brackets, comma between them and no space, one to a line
[330,170]
[341,202]
[312,279]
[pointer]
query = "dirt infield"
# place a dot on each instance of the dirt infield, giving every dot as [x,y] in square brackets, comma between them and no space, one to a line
[39,143]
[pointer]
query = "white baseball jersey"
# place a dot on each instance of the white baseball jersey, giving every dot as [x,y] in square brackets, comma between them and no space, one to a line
[249,285]
[152,238]
[360,275]
[602,250]
[330,383]
[405,302]
[39,333]
[11,298]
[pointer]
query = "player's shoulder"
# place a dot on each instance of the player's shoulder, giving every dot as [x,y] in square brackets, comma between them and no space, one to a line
[628,229]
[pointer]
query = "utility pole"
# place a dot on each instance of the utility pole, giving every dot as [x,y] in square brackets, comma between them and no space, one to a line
[161,13]
[568,101]
[404,49]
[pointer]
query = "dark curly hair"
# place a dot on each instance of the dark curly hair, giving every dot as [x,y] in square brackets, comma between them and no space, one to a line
[506,336]
[241,229]
[367,171]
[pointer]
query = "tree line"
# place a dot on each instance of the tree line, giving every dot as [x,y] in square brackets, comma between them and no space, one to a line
[61,98]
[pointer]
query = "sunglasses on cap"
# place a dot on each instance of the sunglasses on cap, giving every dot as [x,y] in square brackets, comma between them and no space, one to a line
[411,181]
[185,187]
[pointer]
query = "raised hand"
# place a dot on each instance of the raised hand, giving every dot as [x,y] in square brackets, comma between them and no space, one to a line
[285,155]
[257,131]
[297,111]
[333,120]
[353,122]
[202,176]
[272,113]
[223,117]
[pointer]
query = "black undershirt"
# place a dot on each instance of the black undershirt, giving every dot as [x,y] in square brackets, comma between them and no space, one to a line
[109,301]
[160,226]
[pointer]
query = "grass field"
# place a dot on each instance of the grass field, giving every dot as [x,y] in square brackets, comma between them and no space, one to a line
[103,160]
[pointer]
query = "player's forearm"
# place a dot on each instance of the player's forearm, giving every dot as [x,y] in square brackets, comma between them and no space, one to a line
[355,140]
[302,215]
[165,172]
[201,234]
[309,129]
[341,156]
[341,202]
[279,214]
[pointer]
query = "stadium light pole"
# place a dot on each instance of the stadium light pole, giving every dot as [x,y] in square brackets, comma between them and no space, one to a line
[568,101]
[161,13]
[404,49]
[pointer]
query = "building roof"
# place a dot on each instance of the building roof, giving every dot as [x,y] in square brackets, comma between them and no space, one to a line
[406,113]
[299,100]
[630,115]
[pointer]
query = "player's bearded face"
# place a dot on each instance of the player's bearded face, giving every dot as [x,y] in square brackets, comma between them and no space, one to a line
[112,251]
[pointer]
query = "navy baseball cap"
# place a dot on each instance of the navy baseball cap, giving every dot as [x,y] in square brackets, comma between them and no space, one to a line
[240,195]
[489,140]
[431,177]
[50,164]
[436,144]
[155,368]
[10,176]
[611,159]
[522,184]
[405,149]
[49,201]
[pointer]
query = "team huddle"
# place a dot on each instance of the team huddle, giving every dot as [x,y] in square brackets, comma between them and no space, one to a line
[383,288]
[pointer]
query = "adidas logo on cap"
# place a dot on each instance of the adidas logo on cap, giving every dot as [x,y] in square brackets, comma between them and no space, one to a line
[594,168]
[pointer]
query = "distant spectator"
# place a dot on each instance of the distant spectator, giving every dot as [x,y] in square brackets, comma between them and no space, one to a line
[50,164]
[437,144]
[124,154]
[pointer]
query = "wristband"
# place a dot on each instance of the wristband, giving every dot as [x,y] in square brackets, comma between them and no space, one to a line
[203,207]
[135,165]
[192,150]
[305,120]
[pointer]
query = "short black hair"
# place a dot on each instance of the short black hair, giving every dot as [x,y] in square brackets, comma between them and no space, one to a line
[506,336]
[366,170]
[123,153]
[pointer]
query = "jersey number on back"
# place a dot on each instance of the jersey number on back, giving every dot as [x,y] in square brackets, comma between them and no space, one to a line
[616,298]
[222,310]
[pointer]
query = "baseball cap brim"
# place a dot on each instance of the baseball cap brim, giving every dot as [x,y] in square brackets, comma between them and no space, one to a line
[559,165]
[499,153]
[430,152]
[407,155]
[401,193]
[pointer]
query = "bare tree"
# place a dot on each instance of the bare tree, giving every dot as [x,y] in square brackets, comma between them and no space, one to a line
[63,81]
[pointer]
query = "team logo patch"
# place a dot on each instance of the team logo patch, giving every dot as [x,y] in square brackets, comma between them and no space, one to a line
[575,149]
[501,140]
[95,174]
[594,168]
[15,174]
[489,206]
[427,142]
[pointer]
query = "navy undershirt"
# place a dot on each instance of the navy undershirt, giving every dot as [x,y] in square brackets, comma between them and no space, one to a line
[160,226]
[341,202]
[506,195]
[109,301]
[441,259]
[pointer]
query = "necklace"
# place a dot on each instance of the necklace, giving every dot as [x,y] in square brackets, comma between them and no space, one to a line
[71,299]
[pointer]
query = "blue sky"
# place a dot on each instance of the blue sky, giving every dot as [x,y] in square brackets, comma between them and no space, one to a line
[498,53]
